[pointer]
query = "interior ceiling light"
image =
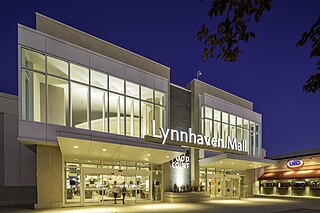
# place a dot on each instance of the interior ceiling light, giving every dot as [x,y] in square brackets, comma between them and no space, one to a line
[167,156]
[148,154]
[232,163]
[221,162]
[76,147]
[250,165]
[104,150]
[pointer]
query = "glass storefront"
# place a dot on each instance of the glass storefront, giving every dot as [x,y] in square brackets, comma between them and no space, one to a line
[292,187]
[95,181]
[220,124]
[59,92]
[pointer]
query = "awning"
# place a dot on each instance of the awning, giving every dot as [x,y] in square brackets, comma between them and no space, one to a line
[94,145]
[234,161]
[300,174]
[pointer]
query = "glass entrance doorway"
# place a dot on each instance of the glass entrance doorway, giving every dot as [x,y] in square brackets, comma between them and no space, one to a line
[226,186]
[90,182]
[116,188]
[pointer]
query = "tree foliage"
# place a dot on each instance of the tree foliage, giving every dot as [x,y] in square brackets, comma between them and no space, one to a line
[228,33]
[313,83]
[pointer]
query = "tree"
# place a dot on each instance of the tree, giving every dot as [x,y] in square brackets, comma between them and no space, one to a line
[313,83]
[228,33]
[223,40]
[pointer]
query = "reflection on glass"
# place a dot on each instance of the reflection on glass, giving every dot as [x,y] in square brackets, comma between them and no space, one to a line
[73,184]
[159,113]
[239,122]
[208,128]
[159,98]
[132,89]
[245,124]
[93,188]
[258,127]
[33,96]
[202,126]
[239,134]
[257,144]
[252,126]
[116,84]
[246,137]
[116,114]
[208,112]
[57,67]
[232,119]
[225,117]
[217,115]
[232,131]
[132,117]
[79,73]
[99,79]
[99,110]
[146,94]
[146,118]
[217,129]
[79,106]
[57,101]
[225,132]
[33,60]
[252,143]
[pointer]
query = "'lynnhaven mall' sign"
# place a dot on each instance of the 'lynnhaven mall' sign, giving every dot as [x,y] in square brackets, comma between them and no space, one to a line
[190,138]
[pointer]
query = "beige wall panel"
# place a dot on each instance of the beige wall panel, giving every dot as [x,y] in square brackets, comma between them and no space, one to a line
[49,173]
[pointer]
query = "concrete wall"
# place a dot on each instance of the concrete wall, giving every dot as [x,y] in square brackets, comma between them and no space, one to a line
[49,173]
[17,161]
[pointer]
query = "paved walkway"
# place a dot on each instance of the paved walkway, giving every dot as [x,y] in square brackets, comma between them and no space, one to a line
[246,205]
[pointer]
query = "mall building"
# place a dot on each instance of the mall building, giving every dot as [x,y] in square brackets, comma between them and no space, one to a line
[91,116]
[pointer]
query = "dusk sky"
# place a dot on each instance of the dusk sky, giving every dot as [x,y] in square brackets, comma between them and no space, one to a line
[270,72]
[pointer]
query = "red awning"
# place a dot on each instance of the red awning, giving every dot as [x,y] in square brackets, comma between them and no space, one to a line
[299,174]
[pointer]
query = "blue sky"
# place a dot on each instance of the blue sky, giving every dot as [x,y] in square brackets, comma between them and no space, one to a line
[270,72]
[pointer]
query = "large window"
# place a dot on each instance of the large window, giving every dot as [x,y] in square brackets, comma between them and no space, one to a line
[132,117]
[116,114]
[67,94]
[222,125]
[57,101]
[79,106]
[99,110]
[33,96]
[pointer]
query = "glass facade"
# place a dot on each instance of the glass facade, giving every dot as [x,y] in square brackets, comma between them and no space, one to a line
[59,92]
[100,177]
[221,124]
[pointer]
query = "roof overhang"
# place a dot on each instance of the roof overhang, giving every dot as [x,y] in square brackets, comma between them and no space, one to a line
[233,161]
[84,144]
[299,174]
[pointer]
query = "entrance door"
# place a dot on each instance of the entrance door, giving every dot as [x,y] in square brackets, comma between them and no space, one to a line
[227,186]
[93,188]
[113,188]
[236,187]
[232,187]
[108,187]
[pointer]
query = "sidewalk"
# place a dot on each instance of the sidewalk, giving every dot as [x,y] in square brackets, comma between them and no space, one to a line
[247,205]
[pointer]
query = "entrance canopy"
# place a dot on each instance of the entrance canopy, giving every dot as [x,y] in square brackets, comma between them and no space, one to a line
[90,144]
[102,150]
[233,161]
[302,174]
